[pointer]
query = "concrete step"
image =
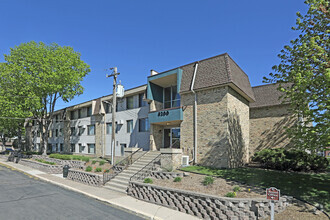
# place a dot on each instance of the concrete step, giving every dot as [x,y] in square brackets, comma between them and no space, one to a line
[124,175]
[115,189]
[120,181]
[123,178]
[131,172]
[137,169]
[116,185]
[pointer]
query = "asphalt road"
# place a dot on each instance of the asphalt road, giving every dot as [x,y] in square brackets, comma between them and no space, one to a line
[23,197]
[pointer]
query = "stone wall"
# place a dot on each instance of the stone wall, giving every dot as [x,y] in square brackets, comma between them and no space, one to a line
[156,137]
[72,163]
[165,175]
[205,206]
[52,169]
[85,177]
[267,127]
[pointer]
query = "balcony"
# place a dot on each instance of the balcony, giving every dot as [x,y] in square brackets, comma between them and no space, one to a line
[165,116]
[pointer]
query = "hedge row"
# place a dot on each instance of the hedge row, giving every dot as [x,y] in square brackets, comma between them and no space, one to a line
[69,157]
[295,160]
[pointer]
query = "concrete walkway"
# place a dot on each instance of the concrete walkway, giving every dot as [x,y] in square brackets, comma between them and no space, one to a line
[118,200]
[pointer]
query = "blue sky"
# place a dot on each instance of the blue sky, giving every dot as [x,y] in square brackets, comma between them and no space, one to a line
[140,35]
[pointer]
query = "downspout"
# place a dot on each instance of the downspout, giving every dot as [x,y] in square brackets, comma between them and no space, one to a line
[195,116]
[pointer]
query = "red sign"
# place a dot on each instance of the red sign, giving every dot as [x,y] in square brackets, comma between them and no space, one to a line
[273,193]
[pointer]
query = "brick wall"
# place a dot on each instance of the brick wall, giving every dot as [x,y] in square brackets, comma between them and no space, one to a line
[222,127]
[267,127]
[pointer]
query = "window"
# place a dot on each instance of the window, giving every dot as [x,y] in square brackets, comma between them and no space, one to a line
[79,113]
[141,102]
[91,148]
[72,115]
[109,128]
[81,131]
[73,148]
[73,131]
[129,102]
[107,107]
[129,126]
[61,147]
[89,111]
[171,97]
[56,133]
[61,132]
[91,130]
[38,133]
[81,148]
[143,125]
[49,147]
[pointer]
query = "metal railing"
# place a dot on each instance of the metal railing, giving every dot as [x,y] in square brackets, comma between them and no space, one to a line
[145,171]
[120,166]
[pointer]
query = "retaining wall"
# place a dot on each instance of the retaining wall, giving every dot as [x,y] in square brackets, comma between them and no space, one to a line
[85,177]
[77,164]
[52,169]
[206,206]
[165,175]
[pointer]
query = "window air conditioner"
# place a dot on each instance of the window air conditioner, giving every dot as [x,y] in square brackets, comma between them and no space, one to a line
[120,122]
[84,126]
[185,161]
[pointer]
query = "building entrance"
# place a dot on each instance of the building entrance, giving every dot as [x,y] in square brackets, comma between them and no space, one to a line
[171,138]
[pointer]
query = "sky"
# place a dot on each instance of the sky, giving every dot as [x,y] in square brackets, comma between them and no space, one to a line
[139,35]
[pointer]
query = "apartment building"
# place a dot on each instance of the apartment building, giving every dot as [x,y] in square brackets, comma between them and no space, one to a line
[204,112]
[86,128]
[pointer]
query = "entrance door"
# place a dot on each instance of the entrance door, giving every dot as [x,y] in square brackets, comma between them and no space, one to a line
[171,138]
[167,138]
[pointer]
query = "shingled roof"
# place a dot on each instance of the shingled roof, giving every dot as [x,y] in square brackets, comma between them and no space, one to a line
[215,71]
[267,95]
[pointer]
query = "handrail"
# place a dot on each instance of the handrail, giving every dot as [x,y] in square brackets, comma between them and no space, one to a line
[117,168]
[144,167]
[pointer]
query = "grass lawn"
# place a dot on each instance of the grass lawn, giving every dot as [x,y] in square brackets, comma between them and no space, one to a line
[313,188]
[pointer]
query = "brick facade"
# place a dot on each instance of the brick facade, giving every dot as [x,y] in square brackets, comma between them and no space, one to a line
[267,127]
[222,127]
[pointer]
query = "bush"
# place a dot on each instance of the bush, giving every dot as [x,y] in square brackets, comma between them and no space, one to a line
[148,180]
[69,157]
[89,169]
[94,161]
[98,169]
[106,171]
[46,162]
[102,162]
[208,180]
[296,160]
[177,179]
[231,194]
[236,189]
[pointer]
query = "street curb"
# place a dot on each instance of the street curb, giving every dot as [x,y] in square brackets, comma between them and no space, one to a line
[134,211]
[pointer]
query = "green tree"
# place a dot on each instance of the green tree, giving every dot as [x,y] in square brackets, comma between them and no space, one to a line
[305,66]
[41,74]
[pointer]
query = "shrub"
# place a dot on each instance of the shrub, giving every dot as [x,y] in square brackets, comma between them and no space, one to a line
[94,161]
[177,179]
[231,194]
[69,157]
[106,171]
[102,162]
[296,160]
[46,162]
[148,180]
[89,169]
[98,169]
[208,180]
[236,189]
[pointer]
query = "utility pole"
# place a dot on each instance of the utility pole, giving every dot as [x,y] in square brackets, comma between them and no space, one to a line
[114,103]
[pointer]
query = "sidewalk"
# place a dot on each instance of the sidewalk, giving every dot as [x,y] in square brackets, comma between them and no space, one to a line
[118,200]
